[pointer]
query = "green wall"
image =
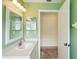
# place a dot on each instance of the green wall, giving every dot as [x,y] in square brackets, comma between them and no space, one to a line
[33,8]
[73,31]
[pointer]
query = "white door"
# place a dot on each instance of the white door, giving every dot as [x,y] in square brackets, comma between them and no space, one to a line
[63,31]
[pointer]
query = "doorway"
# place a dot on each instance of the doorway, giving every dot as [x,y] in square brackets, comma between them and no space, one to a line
[48,35]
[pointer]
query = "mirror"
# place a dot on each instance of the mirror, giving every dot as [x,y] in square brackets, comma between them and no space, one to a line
[13,27]
[31,27]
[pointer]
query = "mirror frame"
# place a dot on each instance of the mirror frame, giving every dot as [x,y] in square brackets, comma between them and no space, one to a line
[7,29]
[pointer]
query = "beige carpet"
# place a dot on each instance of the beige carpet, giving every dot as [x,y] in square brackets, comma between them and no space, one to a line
[49,53]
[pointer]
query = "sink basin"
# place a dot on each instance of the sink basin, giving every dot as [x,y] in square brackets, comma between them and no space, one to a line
[25,46]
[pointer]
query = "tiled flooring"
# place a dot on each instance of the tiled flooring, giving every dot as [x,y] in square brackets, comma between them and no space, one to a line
[49,53]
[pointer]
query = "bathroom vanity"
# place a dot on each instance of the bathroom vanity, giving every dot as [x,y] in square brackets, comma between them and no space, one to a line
[29,50]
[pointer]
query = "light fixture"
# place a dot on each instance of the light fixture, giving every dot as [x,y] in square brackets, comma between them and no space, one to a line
[14,1]
[19,5]
[24,10]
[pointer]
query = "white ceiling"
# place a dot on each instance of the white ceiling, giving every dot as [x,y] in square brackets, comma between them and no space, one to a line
[53,1]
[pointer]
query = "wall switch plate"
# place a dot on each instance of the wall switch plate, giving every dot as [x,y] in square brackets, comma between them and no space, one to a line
[74,25]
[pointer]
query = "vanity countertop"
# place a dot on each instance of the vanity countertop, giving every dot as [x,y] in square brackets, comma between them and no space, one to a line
[18,52]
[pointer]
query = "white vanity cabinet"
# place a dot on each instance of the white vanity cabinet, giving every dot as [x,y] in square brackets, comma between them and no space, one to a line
[16,57]
[31,52]
[35,54]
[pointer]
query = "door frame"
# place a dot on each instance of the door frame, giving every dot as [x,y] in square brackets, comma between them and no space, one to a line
[53,11]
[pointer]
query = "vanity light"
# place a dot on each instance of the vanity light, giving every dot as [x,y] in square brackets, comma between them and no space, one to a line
[14,1]
[19,5]
[24,10]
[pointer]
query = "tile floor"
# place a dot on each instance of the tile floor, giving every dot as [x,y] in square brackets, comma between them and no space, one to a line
[49,53]
[49,58]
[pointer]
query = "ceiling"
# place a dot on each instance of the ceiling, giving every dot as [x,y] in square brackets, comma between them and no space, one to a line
[52,1]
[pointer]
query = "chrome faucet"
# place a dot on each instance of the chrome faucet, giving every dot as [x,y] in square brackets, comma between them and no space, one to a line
[20,43]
